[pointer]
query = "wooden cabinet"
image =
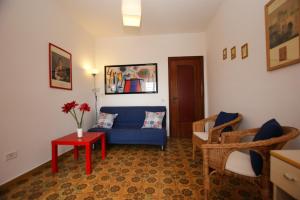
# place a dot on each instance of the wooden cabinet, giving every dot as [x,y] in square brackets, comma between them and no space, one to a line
[285,174]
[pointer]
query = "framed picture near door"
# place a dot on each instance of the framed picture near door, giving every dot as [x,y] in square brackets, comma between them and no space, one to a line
[131,79]
[60,68]
[282,33]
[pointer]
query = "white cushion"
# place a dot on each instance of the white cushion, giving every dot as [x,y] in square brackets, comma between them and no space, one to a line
[208,125]
[153,119]
[240,163]
[202,135]
[106,120]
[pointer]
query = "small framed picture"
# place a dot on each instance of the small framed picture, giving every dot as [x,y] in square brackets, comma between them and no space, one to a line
[60,68]
[233,53]
[244,51]
[225,54]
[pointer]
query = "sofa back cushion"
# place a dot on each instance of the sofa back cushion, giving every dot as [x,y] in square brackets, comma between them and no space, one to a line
[132,116]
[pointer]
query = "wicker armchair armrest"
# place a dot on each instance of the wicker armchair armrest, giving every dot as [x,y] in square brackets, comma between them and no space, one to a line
[213,152]
[242,145]
[199,126]
[236,136]
[215,132]
[217,157]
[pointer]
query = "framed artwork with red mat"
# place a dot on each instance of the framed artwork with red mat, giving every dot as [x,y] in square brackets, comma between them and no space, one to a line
[60,68]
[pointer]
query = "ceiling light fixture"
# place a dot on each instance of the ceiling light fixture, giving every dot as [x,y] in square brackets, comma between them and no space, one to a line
[132,12]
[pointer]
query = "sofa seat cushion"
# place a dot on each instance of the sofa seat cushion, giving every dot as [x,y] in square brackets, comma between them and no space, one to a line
[240,163]
[134,136]
[137,136]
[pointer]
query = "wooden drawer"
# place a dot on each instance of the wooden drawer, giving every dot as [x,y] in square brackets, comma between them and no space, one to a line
[285,176]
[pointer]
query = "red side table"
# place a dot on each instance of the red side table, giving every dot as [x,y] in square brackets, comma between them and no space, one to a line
[87,140]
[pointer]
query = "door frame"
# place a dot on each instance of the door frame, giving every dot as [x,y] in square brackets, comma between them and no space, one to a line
[201,87]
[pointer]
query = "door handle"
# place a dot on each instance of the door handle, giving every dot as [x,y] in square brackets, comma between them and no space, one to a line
[175,98]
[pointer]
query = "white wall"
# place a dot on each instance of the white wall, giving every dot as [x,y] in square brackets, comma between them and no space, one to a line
[145,49]
[31,111]
[245,86]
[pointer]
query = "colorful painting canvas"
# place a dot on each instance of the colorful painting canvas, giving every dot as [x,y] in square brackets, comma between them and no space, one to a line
[131,79]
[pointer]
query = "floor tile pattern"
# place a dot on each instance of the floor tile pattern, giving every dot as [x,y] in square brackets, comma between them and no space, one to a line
[129,172]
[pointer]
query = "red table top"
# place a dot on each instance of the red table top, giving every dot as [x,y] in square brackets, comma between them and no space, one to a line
[72,138]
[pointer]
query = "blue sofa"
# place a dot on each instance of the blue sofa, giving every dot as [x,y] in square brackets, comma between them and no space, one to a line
[127,126]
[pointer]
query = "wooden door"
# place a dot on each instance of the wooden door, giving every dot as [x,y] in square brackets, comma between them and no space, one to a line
[186,94]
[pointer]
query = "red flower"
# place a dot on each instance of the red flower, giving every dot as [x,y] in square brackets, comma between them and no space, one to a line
[85,107]
[69,106]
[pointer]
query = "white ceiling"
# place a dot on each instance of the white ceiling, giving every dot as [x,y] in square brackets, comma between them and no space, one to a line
[103,17]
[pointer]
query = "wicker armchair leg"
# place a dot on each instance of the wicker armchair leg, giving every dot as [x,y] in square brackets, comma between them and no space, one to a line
[222,177]
[194,150]
[266,189]
[205,174]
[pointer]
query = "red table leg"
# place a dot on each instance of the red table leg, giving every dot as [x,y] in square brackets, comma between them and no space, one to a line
[75,152]
[88,158]
[103,140]
[54,158]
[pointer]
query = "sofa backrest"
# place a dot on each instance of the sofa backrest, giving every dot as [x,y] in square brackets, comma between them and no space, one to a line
[132,116]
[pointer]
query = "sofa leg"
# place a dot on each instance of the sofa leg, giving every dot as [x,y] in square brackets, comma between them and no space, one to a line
[162,147]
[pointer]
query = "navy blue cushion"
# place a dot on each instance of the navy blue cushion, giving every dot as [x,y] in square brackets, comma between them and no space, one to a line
[224,117]
[227,129]
[268,130]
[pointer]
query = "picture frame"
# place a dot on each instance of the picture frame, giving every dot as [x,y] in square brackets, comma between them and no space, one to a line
[225,54]
[60,68]
[131,79]
[233,53]
[282,25]
[244,51]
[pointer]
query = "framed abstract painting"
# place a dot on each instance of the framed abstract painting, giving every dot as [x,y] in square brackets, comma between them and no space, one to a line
[131,79]
[282,33]
[60,68]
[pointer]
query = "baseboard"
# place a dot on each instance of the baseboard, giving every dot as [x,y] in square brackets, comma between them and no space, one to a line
[27,174]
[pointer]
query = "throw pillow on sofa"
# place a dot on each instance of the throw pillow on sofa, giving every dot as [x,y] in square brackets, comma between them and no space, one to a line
[268,130]
[153,120]
[106,120]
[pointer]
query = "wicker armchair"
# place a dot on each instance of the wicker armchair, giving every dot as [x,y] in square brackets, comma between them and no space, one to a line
[203,134]
[220,157]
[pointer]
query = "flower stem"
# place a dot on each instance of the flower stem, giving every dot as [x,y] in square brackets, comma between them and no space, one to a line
[73,113]
[81,119]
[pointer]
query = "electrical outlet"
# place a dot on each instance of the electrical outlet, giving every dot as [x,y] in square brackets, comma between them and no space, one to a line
[11,155]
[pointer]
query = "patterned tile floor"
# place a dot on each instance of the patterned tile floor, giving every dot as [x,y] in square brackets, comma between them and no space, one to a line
[129,172]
